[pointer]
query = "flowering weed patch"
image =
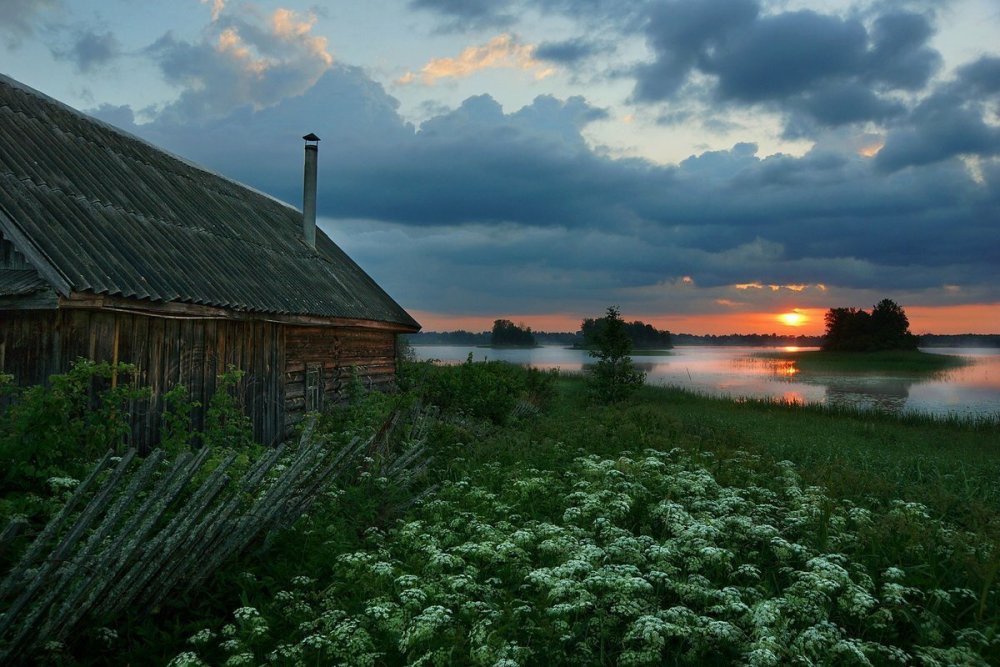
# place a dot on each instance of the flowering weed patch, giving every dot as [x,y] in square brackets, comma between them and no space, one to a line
[639,559]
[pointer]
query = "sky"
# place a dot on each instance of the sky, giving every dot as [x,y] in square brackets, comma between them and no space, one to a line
[705,165]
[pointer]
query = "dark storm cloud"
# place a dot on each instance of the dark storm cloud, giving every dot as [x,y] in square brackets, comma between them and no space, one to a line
[89,50]
[821,70]
[491,207]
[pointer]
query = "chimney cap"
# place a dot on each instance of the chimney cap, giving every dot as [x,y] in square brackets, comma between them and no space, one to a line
[311,137]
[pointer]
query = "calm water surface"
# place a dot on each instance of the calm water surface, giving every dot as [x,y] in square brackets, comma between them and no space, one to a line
[972,390]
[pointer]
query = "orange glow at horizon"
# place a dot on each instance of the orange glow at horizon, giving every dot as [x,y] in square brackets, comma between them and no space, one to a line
[974,319]
[793,318]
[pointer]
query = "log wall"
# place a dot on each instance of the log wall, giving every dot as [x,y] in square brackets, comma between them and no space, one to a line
[277,359]
[166,352]
[333,352]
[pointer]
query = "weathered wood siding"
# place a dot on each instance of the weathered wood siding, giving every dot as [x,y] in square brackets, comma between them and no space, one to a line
[333,352]
[167,352]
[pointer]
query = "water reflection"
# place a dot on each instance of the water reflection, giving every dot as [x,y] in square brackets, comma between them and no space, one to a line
[742,373]
[887,395]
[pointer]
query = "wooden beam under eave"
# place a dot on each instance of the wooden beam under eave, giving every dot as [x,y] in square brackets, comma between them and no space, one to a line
[41,300]
[194,311]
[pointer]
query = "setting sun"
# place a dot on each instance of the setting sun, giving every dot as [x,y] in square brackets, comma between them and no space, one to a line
[792,319]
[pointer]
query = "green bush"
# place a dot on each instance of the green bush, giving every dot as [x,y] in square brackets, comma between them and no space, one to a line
[487,390]
[226,424]
[55,431]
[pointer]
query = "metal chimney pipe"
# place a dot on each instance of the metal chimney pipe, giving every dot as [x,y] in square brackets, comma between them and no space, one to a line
[309,190]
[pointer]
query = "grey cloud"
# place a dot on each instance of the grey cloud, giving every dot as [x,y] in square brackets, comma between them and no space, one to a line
[900,57]
[491,207]
[571,51]
[680,32]
[20,18]
[949,122]
[939,130]
[837,104]
[779,56]
[982,76]
[627,16]
[466,14]
[89,50]
[820,70]
[459,15]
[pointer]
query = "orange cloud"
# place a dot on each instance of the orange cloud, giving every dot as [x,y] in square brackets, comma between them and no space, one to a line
[287,25]
[871,150]
[217,7]
[502,51]
[793,287]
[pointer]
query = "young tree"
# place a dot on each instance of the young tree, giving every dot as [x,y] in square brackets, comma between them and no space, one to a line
[613,377]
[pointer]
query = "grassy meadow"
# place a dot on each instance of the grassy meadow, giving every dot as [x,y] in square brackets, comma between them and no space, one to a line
[672,529]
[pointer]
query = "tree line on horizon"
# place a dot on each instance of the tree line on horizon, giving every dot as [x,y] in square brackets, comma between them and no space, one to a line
[847,329]
[576,339]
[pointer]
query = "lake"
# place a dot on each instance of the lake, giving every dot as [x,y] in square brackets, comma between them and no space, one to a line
[737,372]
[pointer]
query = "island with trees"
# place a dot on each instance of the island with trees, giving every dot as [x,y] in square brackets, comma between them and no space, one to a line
[642,336]
[876,340]
[507,334]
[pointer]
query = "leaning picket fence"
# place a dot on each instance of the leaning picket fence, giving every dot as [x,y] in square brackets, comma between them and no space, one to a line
[135,532]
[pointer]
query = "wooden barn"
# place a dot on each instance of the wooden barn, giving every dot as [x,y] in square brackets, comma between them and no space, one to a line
[114,250]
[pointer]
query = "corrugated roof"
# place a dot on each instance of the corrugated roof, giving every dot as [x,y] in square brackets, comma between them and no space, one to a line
[19,282]
[117,216]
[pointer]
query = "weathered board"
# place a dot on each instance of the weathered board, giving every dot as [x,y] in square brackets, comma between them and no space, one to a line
[165,351]
[333,352]
[277,360]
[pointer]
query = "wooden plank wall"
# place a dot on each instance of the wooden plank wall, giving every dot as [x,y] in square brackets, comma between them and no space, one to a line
[335,350]
[167,352]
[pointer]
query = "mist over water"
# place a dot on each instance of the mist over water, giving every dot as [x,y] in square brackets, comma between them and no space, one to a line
[738,372]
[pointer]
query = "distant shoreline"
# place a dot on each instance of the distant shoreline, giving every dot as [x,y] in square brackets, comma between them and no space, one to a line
[544,339]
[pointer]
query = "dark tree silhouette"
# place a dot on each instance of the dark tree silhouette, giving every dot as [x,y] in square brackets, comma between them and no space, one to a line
[506,332]
[855,330]
[643,336]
